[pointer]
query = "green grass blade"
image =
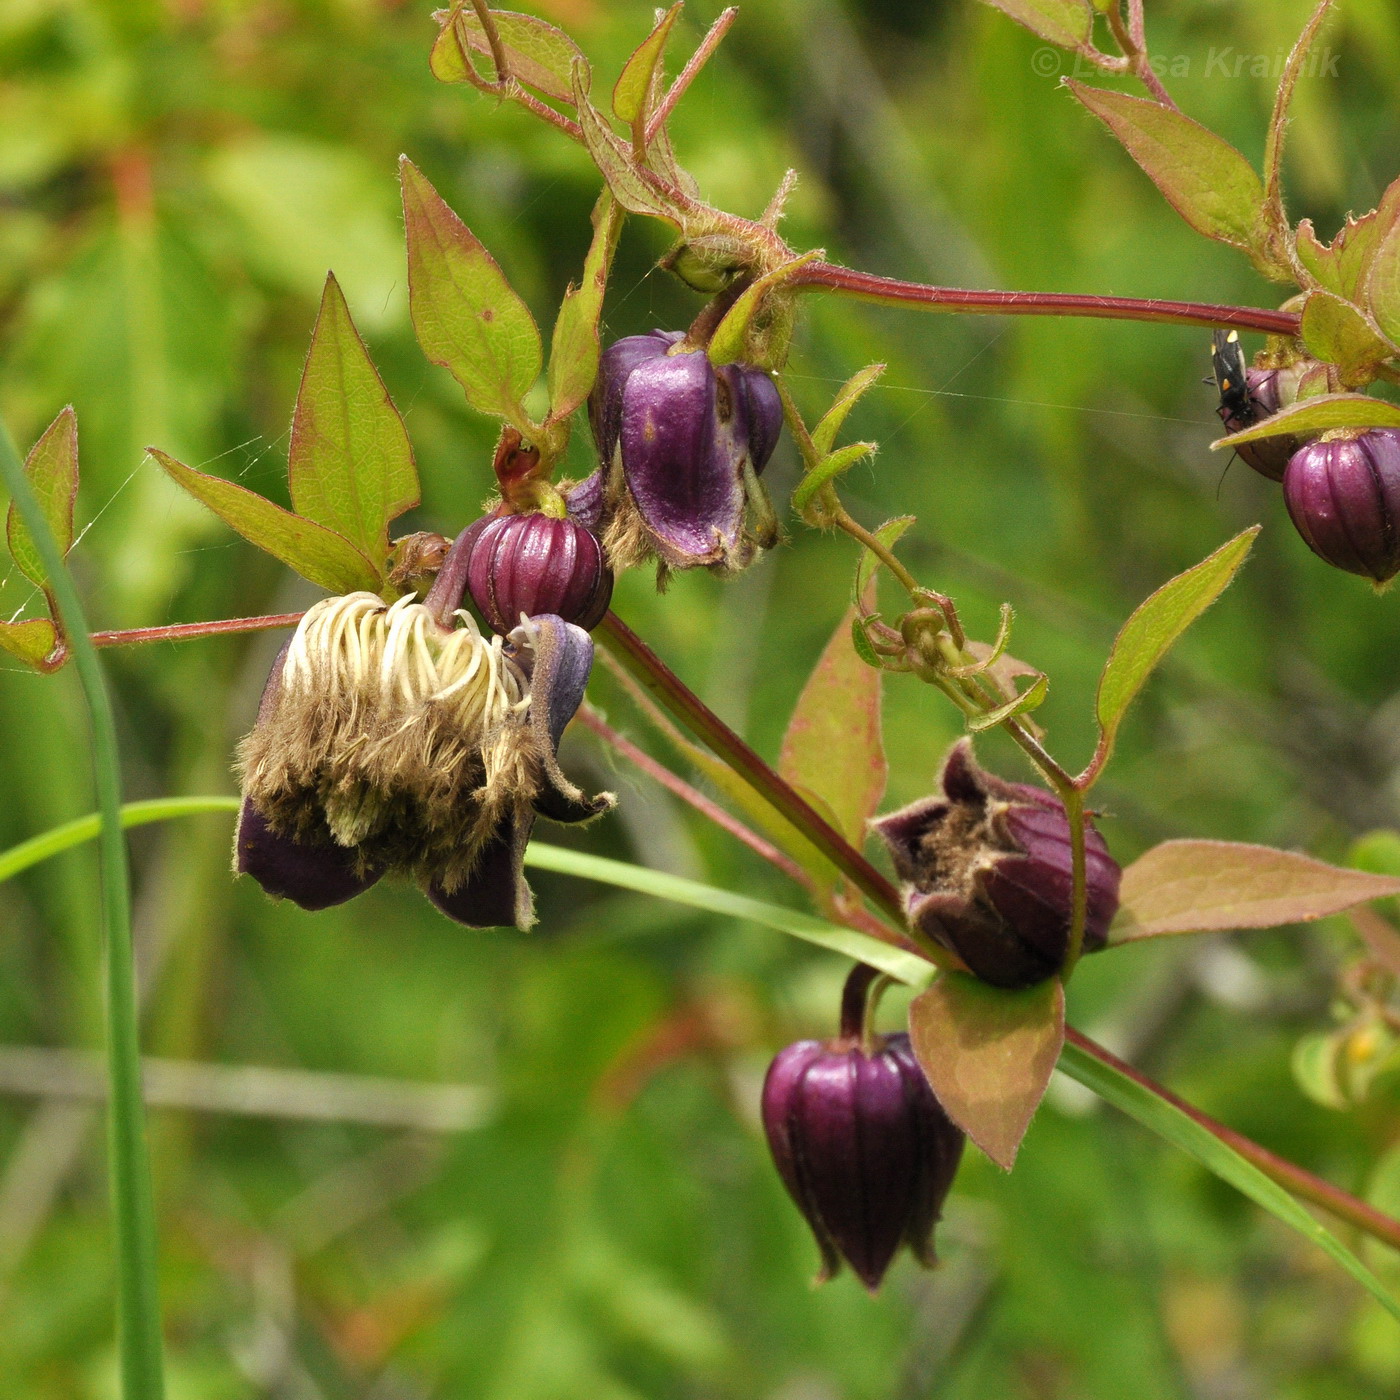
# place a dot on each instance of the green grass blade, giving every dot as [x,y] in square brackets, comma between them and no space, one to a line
[1169,1122]
[904,967]
[129,1163]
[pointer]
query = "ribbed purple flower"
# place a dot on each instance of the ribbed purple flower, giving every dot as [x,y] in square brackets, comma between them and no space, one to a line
[1343,493]
[681,446]
[389,743]
[863,1148]
[527,565]
[987,872]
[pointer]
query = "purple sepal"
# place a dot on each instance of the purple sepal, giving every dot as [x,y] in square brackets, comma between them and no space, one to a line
[1268,456]
[495,894]
[1343,495]
[987,871]
[314,873]
[763,407]
[864,1150]
[528,565]
[616,364]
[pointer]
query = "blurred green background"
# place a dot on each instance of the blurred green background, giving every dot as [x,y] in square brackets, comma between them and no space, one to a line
[175,178]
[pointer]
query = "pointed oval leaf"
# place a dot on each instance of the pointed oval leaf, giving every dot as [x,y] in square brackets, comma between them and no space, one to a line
[1067,23]
[1030,699]
[52,469]
[988,1055]
[834,746]
[1165,1118]
[1309,417]
[1342,334]
[827,470]
[640,75]
[574,347]
[1155,627]
[34,641]
[351,466]
[1205,886]
[1205,179]
[319,555]
[539,55]
[467,317]
[1383,280]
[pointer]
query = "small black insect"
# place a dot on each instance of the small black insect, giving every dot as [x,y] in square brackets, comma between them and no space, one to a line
[1238,408]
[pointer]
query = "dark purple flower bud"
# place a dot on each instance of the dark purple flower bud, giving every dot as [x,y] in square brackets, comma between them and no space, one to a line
[527,565]
[1248,396]
[863,1148]
[987,872]
[1343,493]
[682,445]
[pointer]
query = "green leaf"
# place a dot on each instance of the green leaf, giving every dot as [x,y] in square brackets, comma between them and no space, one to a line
[1067,23]
[351,466]
[988,1055]
[613,157]
[1203,886]
[1182,1131]
[860,642]
[467,316]
[574,348]
[633,93]
[1206,180]
[888,534]
[1154,628]
[52,469]
[1344,265]
[827,470]
[824,434]
[1316,1062]
[903,966]
[1342,334]
[833,746]
[539,55]
[730,340]
[319,555]
[1030,699]
[1309,417]
[1383,279]
[33,641]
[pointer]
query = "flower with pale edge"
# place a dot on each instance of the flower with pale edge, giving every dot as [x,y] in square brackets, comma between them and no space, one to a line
[681,446]
[987,872]
[863,1148]
[387,743]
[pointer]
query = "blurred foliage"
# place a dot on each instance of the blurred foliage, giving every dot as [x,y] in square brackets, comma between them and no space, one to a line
[176,176]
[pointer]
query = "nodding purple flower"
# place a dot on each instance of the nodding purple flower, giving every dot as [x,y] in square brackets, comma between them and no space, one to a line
[388,743]
[987,872]
[1343,493]
[681,446]
[526,565]
[863,1148]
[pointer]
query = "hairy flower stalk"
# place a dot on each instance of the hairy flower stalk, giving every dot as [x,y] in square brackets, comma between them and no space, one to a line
[389,744]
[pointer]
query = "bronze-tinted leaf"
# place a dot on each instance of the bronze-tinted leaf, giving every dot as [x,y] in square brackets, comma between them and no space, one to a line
[52,469]
[988,1054]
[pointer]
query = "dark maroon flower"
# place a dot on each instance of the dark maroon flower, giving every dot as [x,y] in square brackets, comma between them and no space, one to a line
[1248,396]
[527,565]
[863,1148]
[681,445]
[1343,493]
[987,872]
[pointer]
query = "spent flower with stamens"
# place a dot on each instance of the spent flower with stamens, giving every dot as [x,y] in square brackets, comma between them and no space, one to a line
[387,743]
[987,871]
[681,446]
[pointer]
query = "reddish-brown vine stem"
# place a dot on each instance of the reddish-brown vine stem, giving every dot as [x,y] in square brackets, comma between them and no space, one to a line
[189,631]
[890,290]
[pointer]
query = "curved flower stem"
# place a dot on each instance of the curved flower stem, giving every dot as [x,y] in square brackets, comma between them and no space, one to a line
[139,1340]
[1132,41]
[190,631]
[1292,1178]
[893,292]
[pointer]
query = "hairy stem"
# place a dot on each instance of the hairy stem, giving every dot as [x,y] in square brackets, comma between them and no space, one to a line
[189,631]
[893,292]
[139,1340]
[1292,1178]
[690,72]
